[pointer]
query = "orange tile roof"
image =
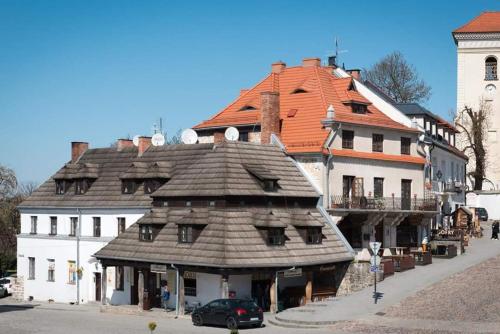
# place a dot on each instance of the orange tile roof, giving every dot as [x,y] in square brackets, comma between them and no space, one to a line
[301,129]
[379,156]
[485,22]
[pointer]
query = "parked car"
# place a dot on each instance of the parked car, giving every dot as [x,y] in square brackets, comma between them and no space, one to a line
[482,213]
[232,313]
[3,291]
[6,282]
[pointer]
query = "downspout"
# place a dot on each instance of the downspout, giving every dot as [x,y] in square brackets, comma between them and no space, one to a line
[78,231]
[177,297]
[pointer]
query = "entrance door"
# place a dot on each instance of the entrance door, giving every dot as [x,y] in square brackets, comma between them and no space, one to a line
[134,292]
[405,194]
[98,285]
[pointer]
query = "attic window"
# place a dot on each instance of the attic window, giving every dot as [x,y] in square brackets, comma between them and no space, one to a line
[299,91]
[187,234]
[276,236]
[146,233]
[61,186]
[359,108]
[270,185]
[129,186]
[247,108]
[314,235]
[151,185]
[82,186]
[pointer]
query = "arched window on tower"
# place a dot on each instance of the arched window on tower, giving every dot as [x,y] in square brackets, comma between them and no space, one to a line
[491,68]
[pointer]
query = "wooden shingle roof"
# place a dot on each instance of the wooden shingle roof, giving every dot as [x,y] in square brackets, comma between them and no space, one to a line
[231,238]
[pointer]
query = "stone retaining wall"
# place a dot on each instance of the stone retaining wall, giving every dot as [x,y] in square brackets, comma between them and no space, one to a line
[357,276]
[18,288]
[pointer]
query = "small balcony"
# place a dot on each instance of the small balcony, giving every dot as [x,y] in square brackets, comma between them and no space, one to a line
[389,204]
[447,187]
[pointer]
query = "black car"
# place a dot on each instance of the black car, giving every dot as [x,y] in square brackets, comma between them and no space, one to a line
[232,313]
[482,213]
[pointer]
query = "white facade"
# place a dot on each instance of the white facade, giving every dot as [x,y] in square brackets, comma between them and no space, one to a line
[59,251]
[473,87]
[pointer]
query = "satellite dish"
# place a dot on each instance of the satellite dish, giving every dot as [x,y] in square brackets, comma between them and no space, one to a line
[135,140]
[232,134]
[189,136]
[158,139]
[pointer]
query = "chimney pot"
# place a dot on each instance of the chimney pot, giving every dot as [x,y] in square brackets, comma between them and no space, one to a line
[124,143]
[332,61]
[144,143]
[311,62]
[278,67]
[270,116]
[77,150]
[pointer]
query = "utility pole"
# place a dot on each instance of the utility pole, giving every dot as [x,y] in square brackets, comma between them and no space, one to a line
[78,233]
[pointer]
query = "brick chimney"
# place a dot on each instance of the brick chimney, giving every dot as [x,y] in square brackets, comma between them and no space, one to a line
[311,62]
[355,73]
[270,115]
[124,143]
[219,137]
[278,67]
[77,150]
[144,143]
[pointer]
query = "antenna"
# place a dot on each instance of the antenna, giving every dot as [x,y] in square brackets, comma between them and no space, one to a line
[232,134]
[336,52]
[189,136]
[135,140]
[158,139]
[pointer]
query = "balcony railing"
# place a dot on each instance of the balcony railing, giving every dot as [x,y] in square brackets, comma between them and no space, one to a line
[384,203]
[447,187]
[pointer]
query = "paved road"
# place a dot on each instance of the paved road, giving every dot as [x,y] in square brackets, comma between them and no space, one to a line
[400,286]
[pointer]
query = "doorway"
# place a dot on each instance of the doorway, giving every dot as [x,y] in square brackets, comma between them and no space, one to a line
[98,286]
[405,194]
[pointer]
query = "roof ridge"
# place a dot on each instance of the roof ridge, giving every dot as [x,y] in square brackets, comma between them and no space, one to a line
[322,93]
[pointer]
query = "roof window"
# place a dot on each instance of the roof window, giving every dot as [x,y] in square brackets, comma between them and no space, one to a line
[247,107]
[299,91]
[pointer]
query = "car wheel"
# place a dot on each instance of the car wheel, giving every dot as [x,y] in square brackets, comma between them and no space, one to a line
[197,320]
[231,323]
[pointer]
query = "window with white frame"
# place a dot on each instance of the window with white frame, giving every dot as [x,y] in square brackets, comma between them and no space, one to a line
[34,222]
[121,225]
[51,277]
[53,225]
[73,225]
[31,268]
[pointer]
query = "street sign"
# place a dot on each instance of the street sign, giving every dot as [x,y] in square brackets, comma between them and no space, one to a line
[375,260]
[374,269]
[375,246]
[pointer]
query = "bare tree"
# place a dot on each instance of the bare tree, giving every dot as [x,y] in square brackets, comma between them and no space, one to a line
[398,79]
[25,189]
[473,125]
[8,182]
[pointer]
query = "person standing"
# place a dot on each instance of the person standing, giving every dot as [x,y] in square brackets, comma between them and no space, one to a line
[165,295]
[495,229]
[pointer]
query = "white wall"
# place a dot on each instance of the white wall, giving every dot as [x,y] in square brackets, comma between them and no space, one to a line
[489,201]
[63,248]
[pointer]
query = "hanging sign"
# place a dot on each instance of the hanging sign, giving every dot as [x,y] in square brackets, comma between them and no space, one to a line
[159,268]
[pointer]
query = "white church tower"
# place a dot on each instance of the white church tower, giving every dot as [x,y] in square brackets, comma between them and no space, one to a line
[478,55]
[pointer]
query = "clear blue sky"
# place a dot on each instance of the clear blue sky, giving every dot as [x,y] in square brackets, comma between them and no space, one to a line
[98,70]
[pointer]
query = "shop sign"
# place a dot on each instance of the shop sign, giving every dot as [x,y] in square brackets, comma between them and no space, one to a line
[159,268]
[293,273]
[327,268]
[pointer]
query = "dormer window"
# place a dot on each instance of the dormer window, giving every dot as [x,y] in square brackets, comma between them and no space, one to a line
[146,233]
[359,108]
[314,235]
[247,108]
[82,186]
[186,234]
[151,185]
[61,186]
[491,69]
[270,185]
[129,186]
[276,236]
[299,91]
